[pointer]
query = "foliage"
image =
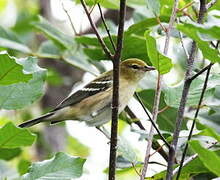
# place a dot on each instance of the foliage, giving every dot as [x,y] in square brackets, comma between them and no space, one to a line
[23,78]
[61,166]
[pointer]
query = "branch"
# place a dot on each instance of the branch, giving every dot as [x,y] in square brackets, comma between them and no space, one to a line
[187,83]
[194,121]
[210,4]
[102,43]
[115,95]
[196,114]
[70,20]
[158,92]
[106,27]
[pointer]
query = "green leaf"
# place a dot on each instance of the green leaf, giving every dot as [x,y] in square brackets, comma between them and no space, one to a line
[154,6]
[94,53]
[8,154]
[23,166]
[166,119]
[48,50]
[13,137]
[140,27]
[77,148]
[60,39]
[173,95]
[79,62]
[10,71]
[191,169]
[209,158]
[61,166]
[133,47]
[207,51]
[161,62]
[19,95]
[126,151]
[207,131]
[9,40]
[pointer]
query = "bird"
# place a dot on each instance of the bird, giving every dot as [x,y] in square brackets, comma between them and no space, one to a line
[92,103]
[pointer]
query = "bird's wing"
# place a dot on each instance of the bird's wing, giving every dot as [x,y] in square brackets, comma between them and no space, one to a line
[96,86]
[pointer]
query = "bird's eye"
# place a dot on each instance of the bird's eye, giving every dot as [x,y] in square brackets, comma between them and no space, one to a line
[135,66]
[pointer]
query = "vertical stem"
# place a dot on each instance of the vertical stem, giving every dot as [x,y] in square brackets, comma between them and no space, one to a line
[115,96]
[158,93]
[150,138]
[194,121]
[183,100]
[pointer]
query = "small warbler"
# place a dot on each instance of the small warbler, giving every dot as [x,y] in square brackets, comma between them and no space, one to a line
[92,103]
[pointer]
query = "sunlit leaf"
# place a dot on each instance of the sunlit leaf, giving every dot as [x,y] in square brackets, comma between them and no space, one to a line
[60,39]
[166,119]
[21,94]
[61,166]
[208,157]
[10,71]
[161,62]
[173,95]
[208,52]
[141,27]
[23,166]
[9,40]
[13,137]
[154,6]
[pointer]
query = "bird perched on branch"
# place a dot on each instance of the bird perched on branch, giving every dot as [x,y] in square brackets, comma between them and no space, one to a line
[92,104]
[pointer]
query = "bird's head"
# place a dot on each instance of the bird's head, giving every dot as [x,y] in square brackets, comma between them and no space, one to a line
[134,69]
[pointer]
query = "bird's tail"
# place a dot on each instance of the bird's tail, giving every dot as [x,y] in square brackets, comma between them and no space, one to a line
[35,121]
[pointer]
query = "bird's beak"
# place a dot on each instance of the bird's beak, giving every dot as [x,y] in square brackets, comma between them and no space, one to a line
[149,68]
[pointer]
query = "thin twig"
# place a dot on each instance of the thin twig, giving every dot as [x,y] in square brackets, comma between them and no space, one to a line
[200,72]
[161,25]
[181,41]
[155,144]
[70,20]
[104,47]
[135,169]
[157,150]
[163,109]
[115,95]
[154,118]
[187,83]
[194,121]
[210,4]
[158,92]
[106,27]
[186,6]
[152,122]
